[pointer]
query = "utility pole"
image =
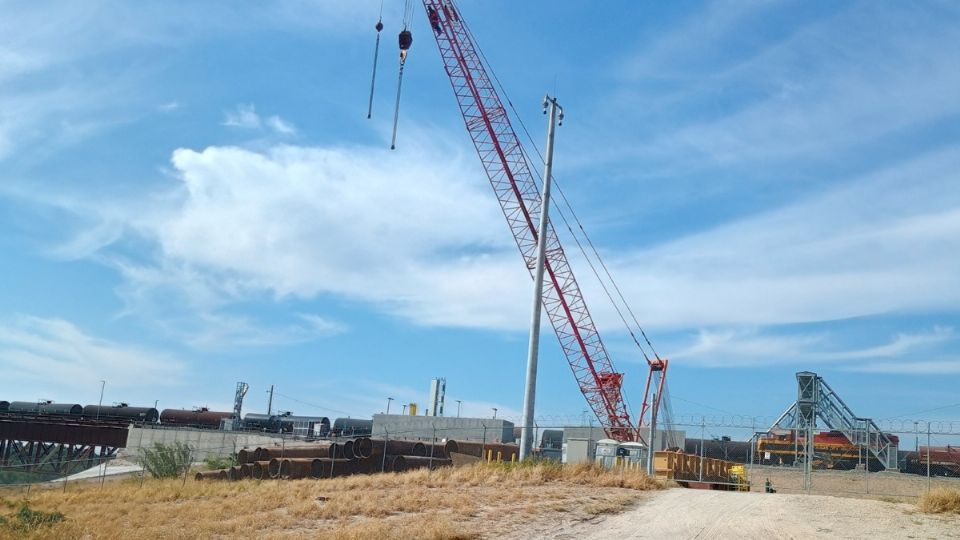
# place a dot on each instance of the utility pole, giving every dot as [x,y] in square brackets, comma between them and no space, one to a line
[270,402]
[529,396]
[494,413]
[100,403]
[389,399]
[459,402]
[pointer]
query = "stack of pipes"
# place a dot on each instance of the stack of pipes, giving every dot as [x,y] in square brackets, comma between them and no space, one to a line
[363,455]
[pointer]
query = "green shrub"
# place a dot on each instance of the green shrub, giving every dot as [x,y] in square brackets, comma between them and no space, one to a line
[28,519]
[220,462]
[166,460]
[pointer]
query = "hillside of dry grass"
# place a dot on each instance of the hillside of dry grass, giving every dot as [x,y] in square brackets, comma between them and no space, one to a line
[451,503]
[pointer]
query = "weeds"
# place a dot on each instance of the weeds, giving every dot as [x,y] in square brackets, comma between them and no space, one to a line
[166,461]
[220,462]
[27,520]
[452,503]
[940,501]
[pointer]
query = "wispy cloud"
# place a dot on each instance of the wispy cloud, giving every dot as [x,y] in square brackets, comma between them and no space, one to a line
[245,117]
[753,347]
[48,355]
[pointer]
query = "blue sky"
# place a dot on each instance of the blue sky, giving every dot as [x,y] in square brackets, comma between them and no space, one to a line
[191,195]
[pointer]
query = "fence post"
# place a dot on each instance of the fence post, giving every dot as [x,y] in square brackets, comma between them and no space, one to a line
[703,426]
[186,470]
[432,445]
[383,462]
[483,447]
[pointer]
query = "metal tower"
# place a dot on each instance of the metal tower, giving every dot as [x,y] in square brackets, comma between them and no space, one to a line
[815,399]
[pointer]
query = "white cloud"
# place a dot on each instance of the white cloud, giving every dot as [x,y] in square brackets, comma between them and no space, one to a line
[889,242]
[831,85]
[54,355]
[169,106]
[280,125]
[753,347]
[245,116]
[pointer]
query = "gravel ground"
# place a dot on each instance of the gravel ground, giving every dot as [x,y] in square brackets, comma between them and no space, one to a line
[690,513]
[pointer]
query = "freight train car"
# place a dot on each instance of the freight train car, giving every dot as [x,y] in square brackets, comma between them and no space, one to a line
[939,460]
[300,426]
[45,408]
[201,418]
[832,450]
[122,411]
[351,427]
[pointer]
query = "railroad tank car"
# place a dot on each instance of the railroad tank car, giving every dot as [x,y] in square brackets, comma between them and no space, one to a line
[348,427]
[262,422]
[198,418]
[56,409]
[147,415]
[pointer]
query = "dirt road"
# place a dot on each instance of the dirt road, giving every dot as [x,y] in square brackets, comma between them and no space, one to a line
[688,513]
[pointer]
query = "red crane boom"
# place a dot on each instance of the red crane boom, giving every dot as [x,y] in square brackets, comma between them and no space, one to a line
[509,172]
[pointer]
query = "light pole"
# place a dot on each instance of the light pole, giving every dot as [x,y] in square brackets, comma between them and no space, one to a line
[529,395]
[494,412]
[404,410]
[100,403]
[459,402]
[389,399]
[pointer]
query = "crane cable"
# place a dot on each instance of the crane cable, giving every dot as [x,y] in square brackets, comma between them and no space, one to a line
[406,40]
[376,54]
[575,218]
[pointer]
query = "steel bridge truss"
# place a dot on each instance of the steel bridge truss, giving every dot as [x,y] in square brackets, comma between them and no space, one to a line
[52,458]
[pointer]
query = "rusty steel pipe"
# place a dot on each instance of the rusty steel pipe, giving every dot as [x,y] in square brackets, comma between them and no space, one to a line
[207,475]
[346,450]
[332,468]
[508,452]
[245,471]
[260,470]
[233,474]
[292,469]
[409,463]
[362,448]
[400,448]
[223,475]
[246,456]
[273,468]
[313,451]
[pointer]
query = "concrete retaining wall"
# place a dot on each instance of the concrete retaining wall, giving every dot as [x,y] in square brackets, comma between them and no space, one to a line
[205,442]
[398,426]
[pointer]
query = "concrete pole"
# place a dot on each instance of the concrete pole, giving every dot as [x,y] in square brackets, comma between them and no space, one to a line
[529,396]
[651,441]
[928,456]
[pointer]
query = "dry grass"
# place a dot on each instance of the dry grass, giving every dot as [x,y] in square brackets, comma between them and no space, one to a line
[449,503]
[940,501]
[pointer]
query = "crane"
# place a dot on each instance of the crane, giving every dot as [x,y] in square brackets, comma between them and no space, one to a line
[508,168]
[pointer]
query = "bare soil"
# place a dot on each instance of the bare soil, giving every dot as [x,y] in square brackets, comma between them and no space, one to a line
[689,513]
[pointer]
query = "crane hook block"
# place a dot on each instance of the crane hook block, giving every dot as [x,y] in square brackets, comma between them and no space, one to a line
[406,39]
[379,26]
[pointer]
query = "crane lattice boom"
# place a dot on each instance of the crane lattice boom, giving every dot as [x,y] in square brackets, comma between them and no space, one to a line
[510,176]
